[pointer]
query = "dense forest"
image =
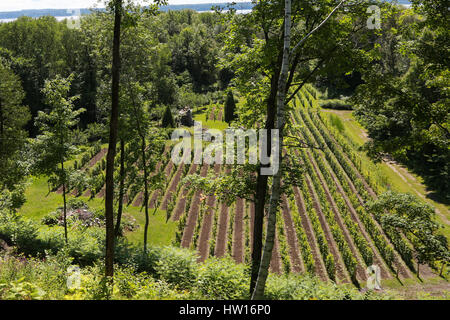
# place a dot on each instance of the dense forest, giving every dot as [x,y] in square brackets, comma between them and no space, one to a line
[87,112]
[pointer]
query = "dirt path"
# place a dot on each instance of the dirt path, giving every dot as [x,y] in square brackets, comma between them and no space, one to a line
[275,262]
[341,272]
[360,268]
[212,115]
[319,266]
[405,175]
[238,234]
[181,205]
[173,186]
[102,192]
[297,264]
[153,203]
[221,242]
[99,156]
[222,228]
[205,232]
[193,214]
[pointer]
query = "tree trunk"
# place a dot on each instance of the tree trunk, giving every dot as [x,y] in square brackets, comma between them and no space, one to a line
[261,186]
[64,201]
[121,187]
[113,126]
[146,195]
[276,184]
[1,127]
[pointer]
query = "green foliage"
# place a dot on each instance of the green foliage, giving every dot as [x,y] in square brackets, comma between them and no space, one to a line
[404,213]
[404,101]
[13,118]
[299,287]
[177,267]
[337,104]
[222,279]
[167,120]
[54,146]
[230,107]
[19,232]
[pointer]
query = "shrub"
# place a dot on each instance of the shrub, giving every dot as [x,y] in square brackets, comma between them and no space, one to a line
[337,104]
[222,279]
[299,287]
[19,232]
[51,219]
[48,277]
[167,120]
[177,267]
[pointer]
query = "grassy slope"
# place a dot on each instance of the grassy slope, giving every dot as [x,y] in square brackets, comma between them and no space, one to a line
[40,202]
[399,178]
[437,287]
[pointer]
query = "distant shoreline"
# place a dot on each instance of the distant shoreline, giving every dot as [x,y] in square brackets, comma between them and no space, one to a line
[61,14]
[35,13]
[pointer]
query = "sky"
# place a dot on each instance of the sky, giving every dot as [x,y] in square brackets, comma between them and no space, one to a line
[16,5]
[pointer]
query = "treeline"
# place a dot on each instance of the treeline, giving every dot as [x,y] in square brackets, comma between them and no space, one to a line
[182,50]
[404,99]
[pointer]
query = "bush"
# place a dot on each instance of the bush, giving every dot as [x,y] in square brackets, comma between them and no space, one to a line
[22,278]
[223,279]
[337,104]
[177,267]
[18,232]
[51,219]
[300,287]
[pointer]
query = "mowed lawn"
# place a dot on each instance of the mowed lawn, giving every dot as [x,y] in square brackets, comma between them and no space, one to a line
[40,202]
[399,178]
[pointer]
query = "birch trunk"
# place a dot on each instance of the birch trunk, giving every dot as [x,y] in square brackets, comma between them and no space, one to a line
[121,188]
[276,184]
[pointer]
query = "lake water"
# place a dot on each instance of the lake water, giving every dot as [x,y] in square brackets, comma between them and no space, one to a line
[403,2]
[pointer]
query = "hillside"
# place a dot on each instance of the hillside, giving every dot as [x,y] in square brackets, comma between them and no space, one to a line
[323,228]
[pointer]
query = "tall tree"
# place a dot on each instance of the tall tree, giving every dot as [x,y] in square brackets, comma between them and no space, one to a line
[230,107]
[117,8]
[255,50]
[13,117]
[276,184]
[53,147]
[167,120]
[148,144]
[404,102]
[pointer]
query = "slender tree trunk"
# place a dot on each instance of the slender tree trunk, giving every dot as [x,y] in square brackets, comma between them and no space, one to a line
[276,184]
[64,201]
[261,186]
[1,127]
[113,126]
[146,195]
[121,187]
